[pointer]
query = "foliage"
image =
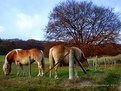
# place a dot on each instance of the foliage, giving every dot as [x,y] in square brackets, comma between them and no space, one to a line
[88,49]
[8,45]
[83,22]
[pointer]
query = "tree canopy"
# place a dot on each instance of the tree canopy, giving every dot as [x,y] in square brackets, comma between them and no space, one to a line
[83,22]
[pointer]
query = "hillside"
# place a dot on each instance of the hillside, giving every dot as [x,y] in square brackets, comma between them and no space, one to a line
[89,50]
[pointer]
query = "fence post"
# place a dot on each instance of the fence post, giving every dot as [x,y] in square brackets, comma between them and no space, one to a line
[71,65]
[105,62]
[96,63]
[115,63]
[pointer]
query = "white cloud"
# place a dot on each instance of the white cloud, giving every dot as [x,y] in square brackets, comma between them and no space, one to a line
[1,29]
[27,22]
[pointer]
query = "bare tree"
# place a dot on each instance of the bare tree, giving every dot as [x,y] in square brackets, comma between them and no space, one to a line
[83,22]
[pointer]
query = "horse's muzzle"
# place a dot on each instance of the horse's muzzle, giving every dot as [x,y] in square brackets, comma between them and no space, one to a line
[87,69]
[6,74]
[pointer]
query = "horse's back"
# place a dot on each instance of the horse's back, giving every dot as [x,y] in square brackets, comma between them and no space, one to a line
[58,51]
[35,53]
[23,56]
[58,48]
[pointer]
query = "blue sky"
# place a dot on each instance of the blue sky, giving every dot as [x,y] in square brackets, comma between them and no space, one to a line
[26,19]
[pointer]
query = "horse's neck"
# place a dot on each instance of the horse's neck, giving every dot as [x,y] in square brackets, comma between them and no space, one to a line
[6,62]
[6,59]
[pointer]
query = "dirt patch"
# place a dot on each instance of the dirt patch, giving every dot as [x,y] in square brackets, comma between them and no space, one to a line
[85,81]
[76,83]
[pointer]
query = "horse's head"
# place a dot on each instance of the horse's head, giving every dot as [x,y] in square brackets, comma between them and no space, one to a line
[6,68]
[85,64]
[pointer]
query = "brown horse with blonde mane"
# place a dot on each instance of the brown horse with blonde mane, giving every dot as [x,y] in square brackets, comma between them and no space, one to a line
[61,53]
[24,57]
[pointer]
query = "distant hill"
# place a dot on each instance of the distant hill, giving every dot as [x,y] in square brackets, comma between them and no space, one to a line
[89,50]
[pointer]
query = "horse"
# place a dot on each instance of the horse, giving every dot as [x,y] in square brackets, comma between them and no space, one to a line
[61,53]
[24,57]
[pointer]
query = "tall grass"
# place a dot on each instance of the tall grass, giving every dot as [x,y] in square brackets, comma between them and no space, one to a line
[105,60]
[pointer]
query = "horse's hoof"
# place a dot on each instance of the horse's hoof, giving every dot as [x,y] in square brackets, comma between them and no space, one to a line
[77,76]
[56,78]
[18,75]
[6,74]
[39,75]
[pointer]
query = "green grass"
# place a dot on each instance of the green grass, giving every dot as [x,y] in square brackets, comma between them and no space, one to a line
[102,79]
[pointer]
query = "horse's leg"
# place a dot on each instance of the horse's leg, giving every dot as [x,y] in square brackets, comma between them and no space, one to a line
[51,61]
[50,75]
[56,67]
[42,67]
[41,70]
[39,73]
[22,70]
[29,66]
[18,68]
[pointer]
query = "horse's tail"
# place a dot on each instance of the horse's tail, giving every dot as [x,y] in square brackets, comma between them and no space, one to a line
[51,60]
[42,59]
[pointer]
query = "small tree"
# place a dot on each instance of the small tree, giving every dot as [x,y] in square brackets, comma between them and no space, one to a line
[83,22]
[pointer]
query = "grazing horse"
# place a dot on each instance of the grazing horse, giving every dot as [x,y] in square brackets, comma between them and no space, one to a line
[61,53]
[24,57]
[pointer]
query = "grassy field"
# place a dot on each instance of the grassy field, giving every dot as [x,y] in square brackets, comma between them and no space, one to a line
[102,79]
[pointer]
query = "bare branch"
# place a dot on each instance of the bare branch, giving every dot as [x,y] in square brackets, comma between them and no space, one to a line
[83,22]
